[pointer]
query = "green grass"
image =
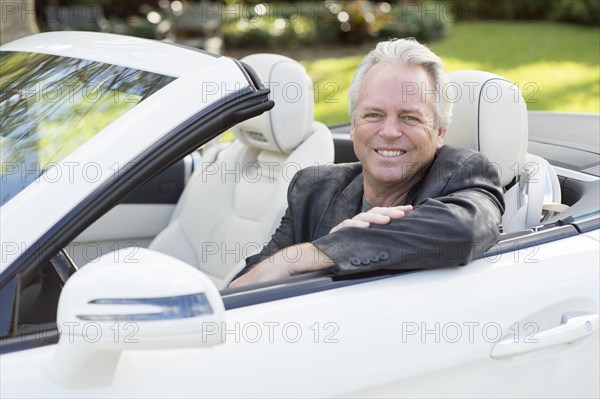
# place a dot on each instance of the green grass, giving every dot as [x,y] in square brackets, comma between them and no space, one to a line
[556,66]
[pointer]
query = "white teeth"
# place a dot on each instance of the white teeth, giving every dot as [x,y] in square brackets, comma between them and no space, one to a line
[387,153]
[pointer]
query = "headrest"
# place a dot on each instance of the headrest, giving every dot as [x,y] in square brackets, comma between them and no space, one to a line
[290,121]
[489,115]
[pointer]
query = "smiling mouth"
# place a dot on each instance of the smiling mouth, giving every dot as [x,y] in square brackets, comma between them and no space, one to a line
[390,153]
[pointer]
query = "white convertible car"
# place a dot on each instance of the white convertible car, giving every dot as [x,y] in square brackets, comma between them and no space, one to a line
[124,217]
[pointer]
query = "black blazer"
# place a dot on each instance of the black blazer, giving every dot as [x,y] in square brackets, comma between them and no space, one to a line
[457,213]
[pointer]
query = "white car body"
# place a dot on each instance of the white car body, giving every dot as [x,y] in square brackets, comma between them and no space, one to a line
[523,321]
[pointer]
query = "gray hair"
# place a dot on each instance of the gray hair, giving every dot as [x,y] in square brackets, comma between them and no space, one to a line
[406,52]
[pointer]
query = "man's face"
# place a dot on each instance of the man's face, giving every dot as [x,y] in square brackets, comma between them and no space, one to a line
[393,130]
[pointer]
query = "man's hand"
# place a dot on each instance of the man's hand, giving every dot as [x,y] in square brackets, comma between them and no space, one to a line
[288,262]
[376,215]
[303,258]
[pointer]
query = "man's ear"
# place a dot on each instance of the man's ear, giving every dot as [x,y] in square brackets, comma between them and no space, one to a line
[352,131]
[440,137]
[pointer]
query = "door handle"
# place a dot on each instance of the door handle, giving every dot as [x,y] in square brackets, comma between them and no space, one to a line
[575,326]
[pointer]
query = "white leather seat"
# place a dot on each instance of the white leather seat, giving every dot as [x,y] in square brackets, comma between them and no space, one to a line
[231,206]
[490,116]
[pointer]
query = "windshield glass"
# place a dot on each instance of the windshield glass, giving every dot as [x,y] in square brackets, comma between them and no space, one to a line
[51,105]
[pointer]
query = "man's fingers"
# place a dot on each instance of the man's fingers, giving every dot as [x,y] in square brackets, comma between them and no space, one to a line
[394,212]
[353,223]
[350,223]
[376,215]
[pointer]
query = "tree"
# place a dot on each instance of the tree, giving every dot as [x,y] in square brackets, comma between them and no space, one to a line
[17,19]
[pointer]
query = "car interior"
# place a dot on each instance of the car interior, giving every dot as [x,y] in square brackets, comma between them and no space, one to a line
[225,197]
[243,189]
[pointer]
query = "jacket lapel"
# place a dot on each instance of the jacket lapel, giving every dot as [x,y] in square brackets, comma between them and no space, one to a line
[344,205]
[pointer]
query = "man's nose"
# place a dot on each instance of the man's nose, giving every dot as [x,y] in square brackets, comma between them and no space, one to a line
[391,128]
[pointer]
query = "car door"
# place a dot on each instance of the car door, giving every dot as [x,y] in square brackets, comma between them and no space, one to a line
[521,322]
[500,327]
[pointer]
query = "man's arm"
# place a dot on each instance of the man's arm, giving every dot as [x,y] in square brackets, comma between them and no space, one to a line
[305,257]
[300,258]
[460,223]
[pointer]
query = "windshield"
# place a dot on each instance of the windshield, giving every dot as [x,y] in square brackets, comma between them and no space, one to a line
[51,105]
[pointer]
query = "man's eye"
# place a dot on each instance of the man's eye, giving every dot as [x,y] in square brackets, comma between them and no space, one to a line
[413,120]
[373,115]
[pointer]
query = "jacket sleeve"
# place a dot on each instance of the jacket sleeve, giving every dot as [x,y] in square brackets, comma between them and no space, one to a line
[449,230]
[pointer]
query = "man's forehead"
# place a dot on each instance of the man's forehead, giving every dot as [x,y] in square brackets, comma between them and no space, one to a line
[413,108]
[406,85]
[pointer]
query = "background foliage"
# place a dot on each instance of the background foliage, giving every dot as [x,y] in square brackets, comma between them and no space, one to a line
[280,24]
[585,12]
[556,66]
[551,48]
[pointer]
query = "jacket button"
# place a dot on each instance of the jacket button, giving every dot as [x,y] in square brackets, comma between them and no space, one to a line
[365,261]
[374,258]
[383,256]
[355,261]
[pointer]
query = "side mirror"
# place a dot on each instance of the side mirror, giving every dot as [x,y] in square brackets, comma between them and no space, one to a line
[152,302]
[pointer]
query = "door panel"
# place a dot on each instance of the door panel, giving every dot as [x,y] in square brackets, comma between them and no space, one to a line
[125,228]
[136,220]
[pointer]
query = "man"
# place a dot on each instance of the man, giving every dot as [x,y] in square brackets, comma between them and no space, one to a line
[411,202]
